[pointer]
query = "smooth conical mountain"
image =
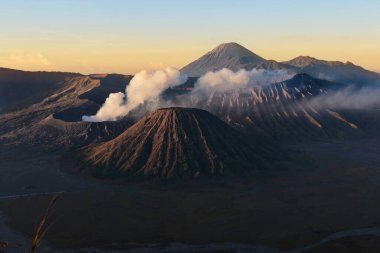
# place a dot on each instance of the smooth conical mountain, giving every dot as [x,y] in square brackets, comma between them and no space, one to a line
[175,143]
[228,55]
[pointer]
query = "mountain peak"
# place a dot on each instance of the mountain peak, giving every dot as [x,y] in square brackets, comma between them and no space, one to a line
[232,49]
[230,44]
[227,55]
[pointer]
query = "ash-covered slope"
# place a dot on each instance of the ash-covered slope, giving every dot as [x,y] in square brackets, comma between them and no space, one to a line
[176,143]
[228,55]
[280,110]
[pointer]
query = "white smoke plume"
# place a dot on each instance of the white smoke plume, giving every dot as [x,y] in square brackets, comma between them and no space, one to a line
[144,86]
[226,79]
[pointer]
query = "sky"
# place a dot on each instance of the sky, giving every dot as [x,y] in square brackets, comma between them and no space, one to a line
[121,36]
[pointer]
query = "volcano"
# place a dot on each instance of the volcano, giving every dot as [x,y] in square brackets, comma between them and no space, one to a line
[176,143]
[227,55]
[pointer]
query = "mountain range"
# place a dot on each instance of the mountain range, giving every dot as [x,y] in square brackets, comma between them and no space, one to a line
[234,131]
[261,156]
[234,56]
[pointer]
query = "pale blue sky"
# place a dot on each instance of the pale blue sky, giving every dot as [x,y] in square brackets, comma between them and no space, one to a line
[124,36]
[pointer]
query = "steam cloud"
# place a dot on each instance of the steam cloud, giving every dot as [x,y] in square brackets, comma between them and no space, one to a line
[144,86]
[226,79]
[349,98]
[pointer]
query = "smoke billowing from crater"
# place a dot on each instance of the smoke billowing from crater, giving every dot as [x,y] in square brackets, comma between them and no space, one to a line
[144,86]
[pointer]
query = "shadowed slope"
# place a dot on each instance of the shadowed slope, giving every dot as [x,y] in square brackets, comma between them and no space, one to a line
[20,89]
[176,142]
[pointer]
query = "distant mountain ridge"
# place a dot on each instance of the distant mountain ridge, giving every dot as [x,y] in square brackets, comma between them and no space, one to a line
[234,56]
[345,72]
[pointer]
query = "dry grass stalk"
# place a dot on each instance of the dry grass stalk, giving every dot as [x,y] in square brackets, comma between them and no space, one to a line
[42,227]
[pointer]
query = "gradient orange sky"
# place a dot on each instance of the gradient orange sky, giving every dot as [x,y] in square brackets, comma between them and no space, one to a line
[99,36]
